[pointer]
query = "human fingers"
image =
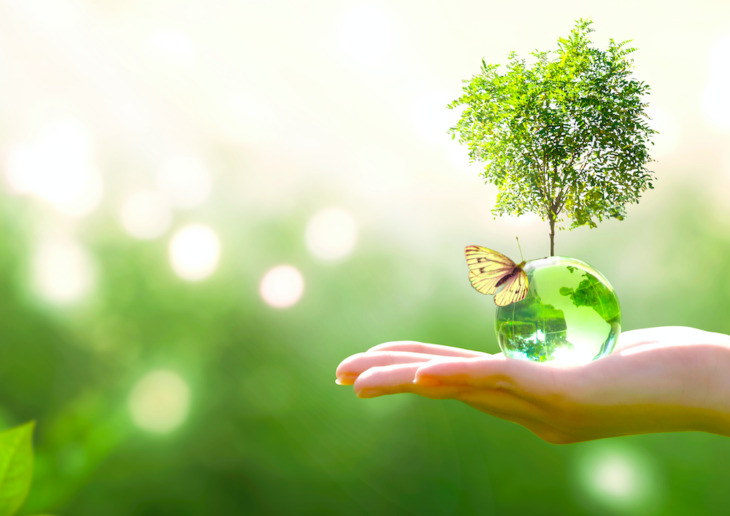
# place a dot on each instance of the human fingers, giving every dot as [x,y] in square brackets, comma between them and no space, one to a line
[395,379]
[525,379]
[399,378]
[491,394]
[350,368]
[432,349]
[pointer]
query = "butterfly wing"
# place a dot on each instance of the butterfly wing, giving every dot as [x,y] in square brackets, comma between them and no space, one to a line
[486,268]
[478,257]
[484,283]
[514,290]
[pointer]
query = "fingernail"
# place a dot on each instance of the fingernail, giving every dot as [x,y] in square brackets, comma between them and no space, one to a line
[427,381]
[346,379]
[368,393]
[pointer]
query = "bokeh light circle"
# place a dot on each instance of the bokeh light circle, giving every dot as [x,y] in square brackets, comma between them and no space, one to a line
[282,286]
[58,167]
[331,234]
[194,252]
[185,181]
[63,271]
[146,215]
[159,402]
[619,478]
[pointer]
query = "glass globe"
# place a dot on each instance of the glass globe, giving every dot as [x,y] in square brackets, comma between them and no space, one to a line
[571,314]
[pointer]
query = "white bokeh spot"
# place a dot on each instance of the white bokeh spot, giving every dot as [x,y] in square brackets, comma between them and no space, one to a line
[63,272]
[282,286]
[616,476]
[194,252]
[146,215]
[619,477]
[58,168]
[159,402]
[331,234]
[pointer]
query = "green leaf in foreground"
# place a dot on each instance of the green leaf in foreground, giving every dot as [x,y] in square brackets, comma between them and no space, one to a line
[16,467]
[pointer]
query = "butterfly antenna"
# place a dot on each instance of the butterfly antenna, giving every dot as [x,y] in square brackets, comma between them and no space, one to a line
[522,258]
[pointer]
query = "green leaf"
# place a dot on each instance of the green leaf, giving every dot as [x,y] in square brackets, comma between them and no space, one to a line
[16,467]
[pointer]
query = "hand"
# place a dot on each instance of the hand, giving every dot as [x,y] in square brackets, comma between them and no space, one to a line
[666,379]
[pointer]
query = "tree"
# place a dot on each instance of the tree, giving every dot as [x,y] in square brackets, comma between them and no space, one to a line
[565,137]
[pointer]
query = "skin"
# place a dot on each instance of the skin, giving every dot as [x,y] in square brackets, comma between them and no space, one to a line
[668,379]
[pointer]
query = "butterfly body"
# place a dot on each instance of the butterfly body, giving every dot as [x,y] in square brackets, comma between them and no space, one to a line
[490,270]
[509,276]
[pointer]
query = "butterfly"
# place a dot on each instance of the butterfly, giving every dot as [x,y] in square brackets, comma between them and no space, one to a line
[489,270]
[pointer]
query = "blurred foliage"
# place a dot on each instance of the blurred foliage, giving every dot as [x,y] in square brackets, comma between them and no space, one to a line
[289,121]
[269,432]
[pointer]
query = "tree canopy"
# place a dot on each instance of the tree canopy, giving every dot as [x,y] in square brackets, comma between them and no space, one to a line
[566,137]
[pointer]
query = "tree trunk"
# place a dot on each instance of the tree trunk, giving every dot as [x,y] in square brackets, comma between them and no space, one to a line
[552,235]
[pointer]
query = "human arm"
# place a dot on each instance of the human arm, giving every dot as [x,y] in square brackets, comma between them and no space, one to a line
[657,380]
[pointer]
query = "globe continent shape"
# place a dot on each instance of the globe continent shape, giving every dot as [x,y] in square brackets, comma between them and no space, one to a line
[571,314]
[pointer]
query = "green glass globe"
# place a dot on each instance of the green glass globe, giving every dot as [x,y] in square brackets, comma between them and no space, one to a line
[571,314]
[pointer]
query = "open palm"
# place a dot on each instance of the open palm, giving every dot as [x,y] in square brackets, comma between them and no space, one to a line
[657,380]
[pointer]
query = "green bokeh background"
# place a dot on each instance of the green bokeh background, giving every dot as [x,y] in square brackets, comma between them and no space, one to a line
[268,431]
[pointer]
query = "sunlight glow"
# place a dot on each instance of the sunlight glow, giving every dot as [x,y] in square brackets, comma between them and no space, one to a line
[62,271]
[331,234]
[669,133]
[282,286]
[617,477]
[159,402]
[367,36]
[248,120]
[431,118]
[58,168]
[146,215]
[175,46]
[185,181]
[129,111]
[194,252]
[715,98]
[458,156]
[57,14]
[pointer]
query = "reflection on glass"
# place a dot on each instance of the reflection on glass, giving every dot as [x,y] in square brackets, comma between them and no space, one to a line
[571,314]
